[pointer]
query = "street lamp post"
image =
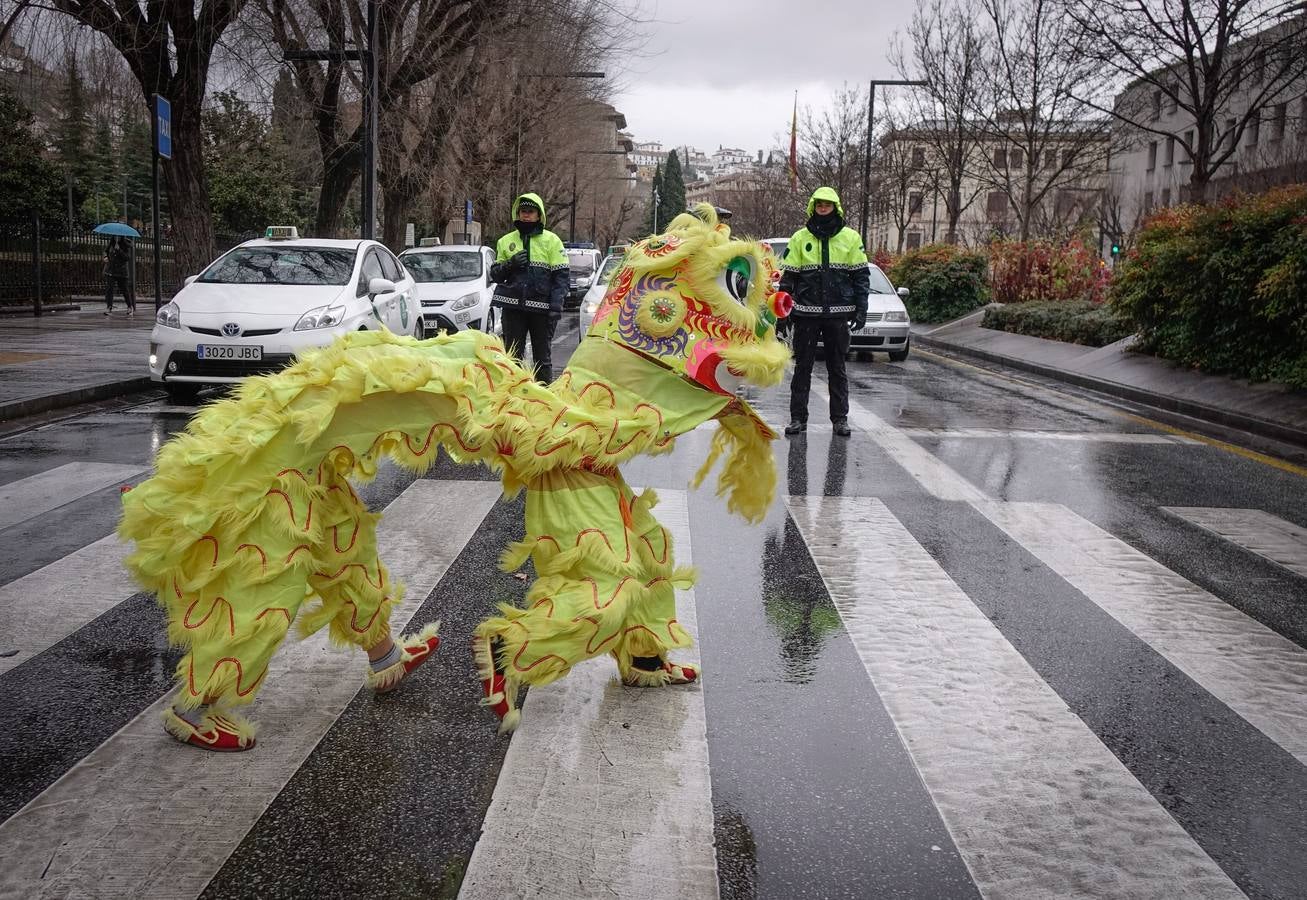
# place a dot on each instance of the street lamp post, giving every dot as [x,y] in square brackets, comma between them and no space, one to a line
[866,156]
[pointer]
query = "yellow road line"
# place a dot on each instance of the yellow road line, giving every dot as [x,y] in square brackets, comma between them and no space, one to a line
[1253,455]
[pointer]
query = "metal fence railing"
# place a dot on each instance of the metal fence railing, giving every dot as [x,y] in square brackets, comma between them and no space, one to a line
[43,264]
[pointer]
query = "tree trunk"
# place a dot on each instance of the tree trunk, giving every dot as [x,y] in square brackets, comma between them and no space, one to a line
[338,174]
[397,198]
[192,218]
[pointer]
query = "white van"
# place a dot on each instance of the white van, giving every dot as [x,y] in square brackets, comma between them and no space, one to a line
[583,263]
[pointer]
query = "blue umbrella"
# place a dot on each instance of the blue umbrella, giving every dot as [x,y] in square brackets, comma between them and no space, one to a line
[117,228]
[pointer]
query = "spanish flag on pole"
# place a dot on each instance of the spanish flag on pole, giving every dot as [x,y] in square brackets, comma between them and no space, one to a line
[794,145]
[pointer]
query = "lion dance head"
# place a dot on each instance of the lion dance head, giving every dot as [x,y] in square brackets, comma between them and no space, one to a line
[699,303]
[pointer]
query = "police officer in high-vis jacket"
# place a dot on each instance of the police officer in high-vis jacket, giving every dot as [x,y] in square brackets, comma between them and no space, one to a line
[825,270]
[531,279]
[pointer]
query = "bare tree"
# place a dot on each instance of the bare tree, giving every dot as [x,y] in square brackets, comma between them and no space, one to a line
[899,178]
[944,47]
[1223,62]
[1044,151]
[831,146]
[169,48]
[763,205]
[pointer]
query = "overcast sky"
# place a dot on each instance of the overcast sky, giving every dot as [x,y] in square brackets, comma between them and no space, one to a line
[725,71]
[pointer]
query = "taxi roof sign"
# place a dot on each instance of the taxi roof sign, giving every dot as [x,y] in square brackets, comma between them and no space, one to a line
[429,242]
[282,233]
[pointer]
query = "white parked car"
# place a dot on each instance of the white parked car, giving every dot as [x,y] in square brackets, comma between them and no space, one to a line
[260,303]
[581,263]
[590,302]
[453,287]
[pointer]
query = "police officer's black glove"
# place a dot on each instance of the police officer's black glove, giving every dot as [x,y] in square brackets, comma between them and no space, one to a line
[519,260]
[858,322]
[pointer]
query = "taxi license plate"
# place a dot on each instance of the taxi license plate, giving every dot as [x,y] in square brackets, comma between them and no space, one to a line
[228,351]
[873,331]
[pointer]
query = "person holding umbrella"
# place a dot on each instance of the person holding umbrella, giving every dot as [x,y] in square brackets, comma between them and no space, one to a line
[117,258]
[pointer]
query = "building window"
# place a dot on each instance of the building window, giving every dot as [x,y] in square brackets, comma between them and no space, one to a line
[996,204]
[1170,149]
[1152,155]
[914,240]
[1174,104]
[1000,159]
[914,204]
[1064,204]
[1068,157]
[1279,115]
[1148,201]
[1157,104]
[1259,68]
[1166,196]
[1254,129]
[918,157]
[1016,159]
[1236,74]
[1228,137]
[1189,153]
[1050,159]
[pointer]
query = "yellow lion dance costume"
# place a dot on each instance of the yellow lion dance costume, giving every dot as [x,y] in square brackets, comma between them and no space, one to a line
[250,521]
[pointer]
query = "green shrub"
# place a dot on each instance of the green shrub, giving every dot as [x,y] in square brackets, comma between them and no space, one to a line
[1074,321]
[1224,287]
[944,282]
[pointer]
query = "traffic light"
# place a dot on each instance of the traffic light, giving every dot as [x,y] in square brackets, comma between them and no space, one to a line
[1116,249]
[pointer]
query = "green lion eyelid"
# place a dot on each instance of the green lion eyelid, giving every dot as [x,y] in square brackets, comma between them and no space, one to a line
[739,271]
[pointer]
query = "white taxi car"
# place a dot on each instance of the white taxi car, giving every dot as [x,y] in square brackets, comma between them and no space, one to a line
[595,293]
[262,302]
[453,287]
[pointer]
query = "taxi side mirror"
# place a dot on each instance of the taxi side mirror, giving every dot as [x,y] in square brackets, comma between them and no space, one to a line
[189,280]
[380,286]
[903,292]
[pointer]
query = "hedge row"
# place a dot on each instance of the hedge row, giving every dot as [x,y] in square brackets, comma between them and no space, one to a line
[1073,321]
[943,281]
[1224,287]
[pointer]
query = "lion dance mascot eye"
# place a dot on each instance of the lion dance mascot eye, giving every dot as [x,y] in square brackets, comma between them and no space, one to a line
[250,523]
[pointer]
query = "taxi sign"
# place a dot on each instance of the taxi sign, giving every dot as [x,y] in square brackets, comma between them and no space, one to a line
[282,233]
[429,242]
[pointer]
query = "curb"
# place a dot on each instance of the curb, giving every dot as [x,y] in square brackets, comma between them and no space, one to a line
[17,409]
[1230,419]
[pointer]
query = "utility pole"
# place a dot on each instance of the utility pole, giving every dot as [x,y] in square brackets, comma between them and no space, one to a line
[866,156]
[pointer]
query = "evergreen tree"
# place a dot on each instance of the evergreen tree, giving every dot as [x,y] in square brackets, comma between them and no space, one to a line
[72,136]
[653,220]
[103,184]
[671,202]
[29,183]
[135,184]
[249,177]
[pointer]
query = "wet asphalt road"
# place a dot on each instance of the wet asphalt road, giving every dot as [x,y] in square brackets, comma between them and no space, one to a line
[816,788]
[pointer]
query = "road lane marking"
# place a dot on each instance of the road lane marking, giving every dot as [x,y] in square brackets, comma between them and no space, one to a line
[44,607]
[1107,437]
[1036,804]
[37,495]
[143,816]
[605,790]
[1257,673]
[1255,530]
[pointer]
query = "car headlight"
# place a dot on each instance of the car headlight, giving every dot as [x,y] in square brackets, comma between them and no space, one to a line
[896,316]
[466,301]
[169,315]
[591,308]
[321,317]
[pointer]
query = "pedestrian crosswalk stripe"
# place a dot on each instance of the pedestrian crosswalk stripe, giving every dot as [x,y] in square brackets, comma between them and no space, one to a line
[605,789]
[1100,437]
[146,817]
[45,606]
[930,472]
[1247,666]
[1255,530]
[1036,804]
[36,495]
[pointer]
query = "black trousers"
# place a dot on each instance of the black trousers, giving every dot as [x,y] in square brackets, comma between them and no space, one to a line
[834,335]
[124,285]
[518,326]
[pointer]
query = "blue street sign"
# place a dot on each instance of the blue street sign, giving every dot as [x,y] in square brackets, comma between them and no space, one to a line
[467,213]
[163,138]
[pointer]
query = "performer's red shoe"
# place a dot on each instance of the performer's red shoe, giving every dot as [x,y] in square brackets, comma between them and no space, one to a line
[414,651]
[221,733]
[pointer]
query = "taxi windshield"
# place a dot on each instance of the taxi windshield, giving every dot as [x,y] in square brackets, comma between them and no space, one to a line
[282,265]
[611,265]
[438,267]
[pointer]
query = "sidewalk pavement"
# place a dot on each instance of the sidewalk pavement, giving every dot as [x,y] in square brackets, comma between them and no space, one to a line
[70,357]
[1267,410]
